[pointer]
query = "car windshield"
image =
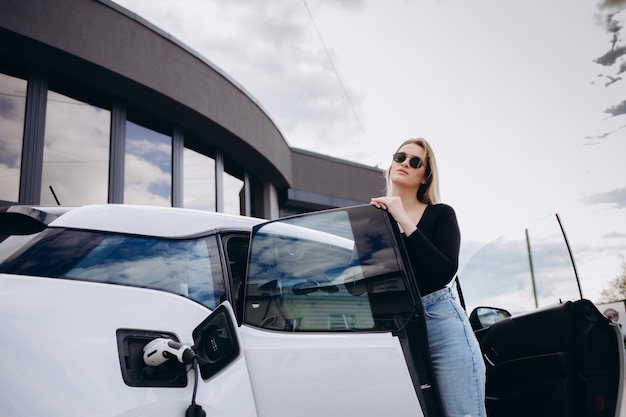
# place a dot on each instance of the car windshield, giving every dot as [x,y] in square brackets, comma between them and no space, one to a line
[187,267]
[522,270]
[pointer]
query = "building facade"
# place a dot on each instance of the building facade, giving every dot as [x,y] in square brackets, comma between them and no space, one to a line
[99,106]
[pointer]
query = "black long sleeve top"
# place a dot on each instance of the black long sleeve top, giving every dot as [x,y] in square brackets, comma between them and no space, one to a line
[434,248]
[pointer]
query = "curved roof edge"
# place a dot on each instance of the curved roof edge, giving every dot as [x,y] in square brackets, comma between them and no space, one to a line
[100,44]
[192,51]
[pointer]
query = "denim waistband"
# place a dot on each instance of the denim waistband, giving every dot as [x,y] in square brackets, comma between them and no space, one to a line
[438,295]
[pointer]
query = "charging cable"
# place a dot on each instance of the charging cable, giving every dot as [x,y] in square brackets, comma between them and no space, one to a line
[160,350]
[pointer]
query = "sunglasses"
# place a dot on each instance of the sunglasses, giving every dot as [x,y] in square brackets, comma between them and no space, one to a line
[415,161]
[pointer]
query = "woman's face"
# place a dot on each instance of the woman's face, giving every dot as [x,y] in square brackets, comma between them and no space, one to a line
[403,173]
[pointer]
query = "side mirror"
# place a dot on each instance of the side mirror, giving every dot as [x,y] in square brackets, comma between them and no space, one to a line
[483,317]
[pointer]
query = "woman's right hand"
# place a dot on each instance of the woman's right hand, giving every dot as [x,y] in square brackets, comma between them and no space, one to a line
[393,205]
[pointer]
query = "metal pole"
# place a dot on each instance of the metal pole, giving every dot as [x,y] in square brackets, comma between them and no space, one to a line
[532,270]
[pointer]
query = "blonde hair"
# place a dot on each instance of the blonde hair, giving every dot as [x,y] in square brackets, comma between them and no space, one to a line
[427,193]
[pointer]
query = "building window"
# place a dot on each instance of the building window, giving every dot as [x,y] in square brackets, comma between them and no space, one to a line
[233,194]
[147,167]
[198,181]
[12,105]
[76,152]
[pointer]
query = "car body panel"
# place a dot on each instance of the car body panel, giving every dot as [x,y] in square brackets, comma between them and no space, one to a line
[560,360]
[342,374]
[62,357]
[151,221]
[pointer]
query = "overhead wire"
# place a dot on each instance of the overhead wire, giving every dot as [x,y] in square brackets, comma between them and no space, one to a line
[332,64]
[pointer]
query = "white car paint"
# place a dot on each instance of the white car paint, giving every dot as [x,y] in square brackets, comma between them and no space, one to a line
[60,336]
[349,374]
[151,221]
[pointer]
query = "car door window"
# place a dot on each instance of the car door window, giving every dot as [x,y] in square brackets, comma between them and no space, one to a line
[522,270]
[331,271]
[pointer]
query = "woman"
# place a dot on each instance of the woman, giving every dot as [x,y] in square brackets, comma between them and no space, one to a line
[432,240]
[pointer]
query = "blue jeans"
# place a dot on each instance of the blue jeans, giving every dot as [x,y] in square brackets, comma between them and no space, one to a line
[455,354]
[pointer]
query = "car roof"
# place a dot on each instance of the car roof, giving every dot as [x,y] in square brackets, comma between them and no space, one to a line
[167,222]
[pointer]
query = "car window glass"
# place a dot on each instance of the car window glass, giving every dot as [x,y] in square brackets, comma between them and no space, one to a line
[187,267]
[521,270]
[328,271]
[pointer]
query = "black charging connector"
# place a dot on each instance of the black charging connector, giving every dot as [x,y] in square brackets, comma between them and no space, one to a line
[195,410]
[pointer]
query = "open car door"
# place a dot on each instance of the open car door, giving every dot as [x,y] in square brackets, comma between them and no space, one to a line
[331,319]
[548,351]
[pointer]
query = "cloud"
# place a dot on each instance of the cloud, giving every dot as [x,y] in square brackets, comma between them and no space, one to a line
[9,183]
[145,183]
[12,97]
[614,235]
[10,143]
[76,152]
[616,197]
[8,108]
[199,181]
[596,139]
[273,51]
[617,109]
[149,145]
[611,56]
[12,104]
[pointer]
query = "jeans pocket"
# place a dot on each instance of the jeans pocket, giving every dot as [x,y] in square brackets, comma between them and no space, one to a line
[442,309]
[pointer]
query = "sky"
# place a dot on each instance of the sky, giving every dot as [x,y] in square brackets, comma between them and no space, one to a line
[524,119]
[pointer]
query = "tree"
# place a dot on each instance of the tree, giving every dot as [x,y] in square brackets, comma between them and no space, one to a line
[616,290]
[612,61]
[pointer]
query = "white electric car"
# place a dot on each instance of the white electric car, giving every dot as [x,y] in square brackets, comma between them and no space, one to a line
[119,310]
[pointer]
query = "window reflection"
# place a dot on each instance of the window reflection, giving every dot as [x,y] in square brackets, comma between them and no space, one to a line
[332,271]
[233,194]
[521,270]
[76,152]
[148,167]
[190,268]
[12,104]
[199,181]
